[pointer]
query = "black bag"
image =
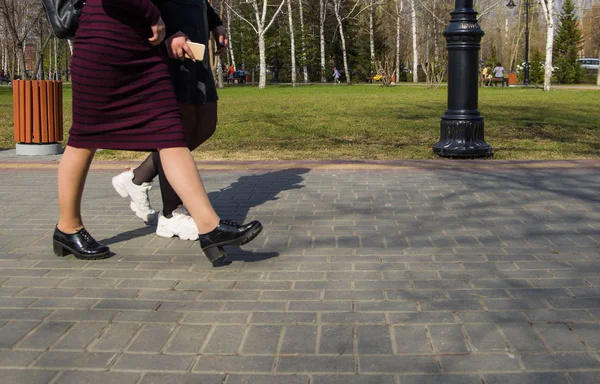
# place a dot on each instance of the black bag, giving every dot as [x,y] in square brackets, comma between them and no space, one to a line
[63,16]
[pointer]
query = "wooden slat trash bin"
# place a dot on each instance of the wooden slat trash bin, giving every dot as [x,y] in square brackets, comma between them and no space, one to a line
[38,115]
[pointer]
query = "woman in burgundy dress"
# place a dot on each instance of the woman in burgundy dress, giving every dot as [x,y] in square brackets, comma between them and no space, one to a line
[123,98]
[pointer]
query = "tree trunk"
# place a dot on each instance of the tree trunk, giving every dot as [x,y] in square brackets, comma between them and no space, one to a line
[292,43]
[414,41]
[548,6]
[262,79]
[218,64]
[228,26]
[302,41]
[21,48]
[322,14]
[399,9]
[55,58]
[38,62]
[598,77]
[372,34]
[342,37]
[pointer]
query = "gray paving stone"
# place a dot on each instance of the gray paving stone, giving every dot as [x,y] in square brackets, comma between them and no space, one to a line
[179,378]
[560,361]
[127,304]
[299,339]
[448,339]
[153,363]
[115,337]
[439,379]
[152,338]
[284,318]
[234,364]
[12,332]
[480,363]
[421,318]
[251,379]
[78,377]
[374,340]
[12,359]
[82,315]
[337,340]
[560,338]
[589,334]
[412,340]
[451,305]
[225,339]
[354,379]
[188,339]
[398,364]
[315,364]
[70,360]
[29,376]
[45,335]
[590,377]
[526,378]
[352,318]
[80,335]
[522,337]
[262,339]
[485,338]
[215,318]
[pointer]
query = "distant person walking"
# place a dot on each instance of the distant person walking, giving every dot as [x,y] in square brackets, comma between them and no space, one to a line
[231,71]
[336,75]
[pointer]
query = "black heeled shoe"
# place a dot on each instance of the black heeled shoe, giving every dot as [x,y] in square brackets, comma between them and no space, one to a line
[227,233]
[81,244]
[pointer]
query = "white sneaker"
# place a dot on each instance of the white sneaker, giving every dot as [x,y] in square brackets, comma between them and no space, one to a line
[140,202]
[179,224]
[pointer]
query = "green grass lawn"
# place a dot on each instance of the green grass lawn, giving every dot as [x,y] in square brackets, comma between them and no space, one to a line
[372,122]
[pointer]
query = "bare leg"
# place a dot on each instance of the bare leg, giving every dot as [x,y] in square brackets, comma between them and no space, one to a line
[72,172]
[199,123]
[181,171]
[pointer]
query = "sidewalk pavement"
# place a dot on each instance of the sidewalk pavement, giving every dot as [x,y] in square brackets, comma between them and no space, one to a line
[367,272]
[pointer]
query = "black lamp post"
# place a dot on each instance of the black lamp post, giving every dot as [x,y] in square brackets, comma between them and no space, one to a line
[511,4]
[462,125]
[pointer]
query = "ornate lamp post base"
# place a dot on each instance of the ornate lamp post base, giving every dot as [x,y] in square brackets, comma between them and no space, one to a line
[462,138]
[461,133]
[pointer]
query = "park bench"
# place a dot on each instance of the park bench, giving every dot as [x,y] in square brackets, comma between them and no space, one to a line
[488,81]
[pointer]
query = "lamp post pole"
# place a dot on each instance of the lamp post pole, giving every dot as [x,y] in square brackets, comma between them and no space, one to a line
[511,4]
[461,131]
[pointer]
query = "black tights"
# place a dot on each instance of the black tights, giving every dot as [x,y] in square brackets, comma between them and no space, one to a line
[199,123]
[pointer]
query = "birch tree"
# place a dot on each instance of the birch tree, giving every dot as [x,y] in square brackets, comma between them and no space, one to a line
[228,27]
[337,5]
[413,17]
[302,41]
[218,69]
[548,10]
[292,42]
[372,32]
[322,17]
[261,26]
[336,9]
[399,9]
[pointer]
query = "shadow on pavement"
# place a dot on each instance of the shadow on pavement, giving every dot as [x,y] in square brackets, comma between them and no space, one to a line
[234,203]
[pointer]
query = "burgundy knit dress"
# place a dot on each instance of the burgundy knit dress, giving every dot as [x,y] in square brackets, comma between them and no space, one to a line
[123,97]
